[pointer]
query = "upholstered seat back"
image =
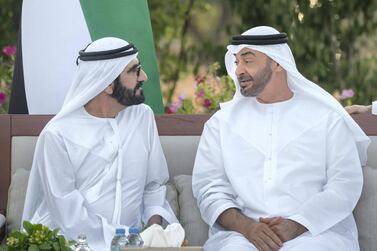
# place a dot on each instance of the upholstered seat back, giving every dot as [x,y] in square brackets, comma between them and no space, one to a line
[180,154]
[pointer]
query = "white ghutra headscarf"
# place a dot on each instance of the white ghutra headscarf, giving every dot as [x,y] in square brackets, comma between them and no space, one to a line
[94,76]
[281,53]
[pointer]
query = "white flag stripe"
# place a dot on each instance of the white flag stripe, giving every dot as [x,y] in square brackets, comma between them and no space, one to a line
[53,31]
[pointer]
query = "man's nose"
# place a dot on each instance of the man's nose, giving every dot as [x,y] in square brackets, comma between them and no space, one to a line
[240,69]
[143,76]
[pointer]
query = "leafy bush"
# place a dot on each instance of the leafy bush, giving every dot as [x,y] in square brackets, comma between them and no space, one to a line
[36,237]
[211,90]
[7,60]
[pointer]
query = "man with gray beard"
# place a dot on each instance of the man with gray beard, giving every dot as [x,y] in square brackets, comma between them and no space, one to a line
[279,166]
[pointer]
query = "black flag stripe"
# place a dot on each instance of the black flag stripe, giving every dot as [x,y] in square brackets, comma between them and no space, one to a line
[17,102]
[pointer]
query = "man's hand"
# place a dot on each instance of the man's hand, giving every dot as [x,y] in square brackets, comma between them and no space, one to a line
[155,219]
[263,238]
[286,229]
[257,233]
[355,109]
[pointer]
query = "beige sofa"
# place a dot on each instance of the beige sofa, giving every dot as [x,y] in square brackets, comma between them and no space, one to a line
[179,136]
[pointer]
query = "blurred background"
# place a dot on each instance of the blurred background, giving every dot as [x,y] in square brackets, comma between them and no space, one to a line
[334,43]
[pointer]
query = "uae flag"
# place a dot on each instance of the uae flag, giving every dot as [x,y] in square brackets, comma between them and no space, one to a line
[53,31]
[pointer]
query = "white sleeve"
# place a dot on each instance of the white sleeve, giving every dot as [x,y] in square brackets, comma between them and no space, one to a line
[374,107]
[210,184]
[344,182]
[65,203]
[154,197]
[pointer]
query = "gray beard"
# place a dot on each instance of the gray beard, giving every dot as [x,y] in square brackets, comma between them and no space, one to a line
[260,81]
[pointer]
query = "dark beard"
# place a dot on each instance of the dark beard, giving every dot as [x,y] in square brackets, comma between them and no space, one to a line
[260,81]
[126,96]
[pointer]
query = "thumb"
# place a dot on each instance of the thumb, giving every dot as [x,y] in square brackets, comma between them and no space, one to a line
[351,110]
[270,221]
[275,220]
[265,220]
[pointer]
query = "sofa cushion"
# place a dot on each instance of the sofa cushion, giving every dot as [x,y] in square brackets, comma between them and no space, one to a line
[172,198]
[2,220]
[196,229]
[365,212]
[180,153]
[15,207]
[21,160]
[372,153]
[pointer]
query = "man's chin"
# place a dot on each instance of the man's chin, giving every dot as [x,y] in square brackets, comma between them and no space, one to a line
[140,100]
[248,95]
[248,92]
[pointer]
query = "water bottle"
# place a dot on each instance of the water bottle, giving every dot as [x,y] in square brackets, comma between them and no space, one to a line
[82,244]
[119,241]
[134,239]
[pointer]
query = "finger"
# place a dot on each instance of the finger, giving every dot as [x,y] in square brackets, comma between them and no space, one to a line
[278,233]
[262,245]
[269,241]
[275,221]
[274,242]
[275,229]
[273,236]
[256,244]
[271,221]
[351,109]
[357,109]
[264,220]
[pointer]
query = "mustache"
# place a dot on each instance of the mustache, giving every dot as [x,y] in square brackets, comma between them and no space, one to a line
[245,77]
[138,86]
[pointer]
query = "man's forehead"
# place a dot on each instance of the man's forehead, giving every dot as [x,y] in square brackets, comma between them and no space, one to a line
[133,62]
[248,52]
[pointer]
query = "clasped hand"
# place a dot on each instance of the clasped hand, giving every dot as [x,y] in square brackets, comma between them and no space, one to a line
[269,234]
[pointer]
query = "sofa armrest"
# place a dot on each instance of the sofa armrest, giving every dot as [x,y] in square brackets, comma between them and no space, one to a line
[2,227]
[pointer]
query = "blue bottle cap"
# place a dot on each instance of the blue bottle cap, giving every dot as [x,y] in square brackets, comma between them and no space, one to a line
[120,231]
[133,230]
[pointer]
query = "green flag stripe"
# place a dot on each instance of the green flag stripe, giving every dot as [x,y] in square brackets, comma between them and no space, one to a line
[129,20]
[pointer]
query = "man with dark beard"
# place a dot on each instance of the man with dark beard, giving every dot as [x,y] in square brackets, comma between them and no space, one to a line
[279,166]
[128,96]
[98,164]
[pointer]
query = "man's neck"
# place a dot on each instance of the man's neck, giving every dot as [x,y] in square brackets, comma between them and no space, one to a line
[269,99]
[103,110]
[276,91]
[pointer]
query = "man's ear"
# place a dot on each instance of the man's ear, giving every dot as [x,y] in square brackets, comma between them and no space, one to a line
[110,89]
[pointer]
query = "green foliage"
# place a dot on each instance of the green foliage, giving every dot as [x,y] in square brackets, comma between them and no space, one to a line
[214,90]
[185,37]
[187,107]
[329,39]
[10,17]
[333,42]
[36,237]
[211,90]
[6,73]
